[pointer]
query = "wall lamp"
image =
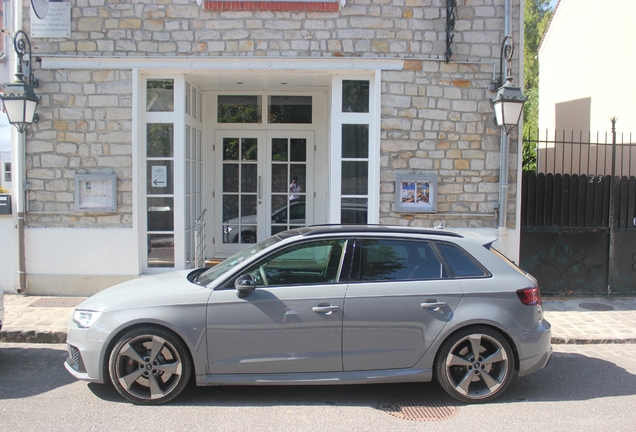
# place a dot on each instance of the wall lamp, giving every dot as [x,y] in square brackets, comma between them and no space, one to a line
[19,98]
[509,101]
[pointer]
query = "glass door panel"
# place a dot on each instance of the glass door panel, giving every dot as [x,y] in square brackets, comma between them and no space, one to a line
[265,181]
[240,189]
[291,180]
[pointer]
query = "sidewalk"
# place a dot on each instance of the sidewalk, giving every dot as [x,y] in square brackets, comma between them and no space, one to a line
[36,319]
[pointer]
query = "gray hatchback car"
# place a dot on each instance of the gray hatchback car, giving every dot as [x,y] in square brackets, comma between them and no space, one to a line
[321,305]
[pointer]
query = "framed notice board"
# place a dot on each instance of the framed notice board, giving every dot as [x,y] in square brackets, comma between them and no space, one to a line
[95,192]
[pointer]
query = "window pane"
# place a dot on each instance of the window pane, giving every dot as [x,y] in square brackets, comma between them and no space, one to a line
[159,139]
[239,109]
[159,177]
[279,150]
[231,149]
[230,207]
[383,260]
[309,263]
[160,250]
[353,211]
[160,214]
[160,95]
[355,96]
[187,96]
[461,264]
[355,141]
[279,178]
[289,109]
[230,177]
[249,149]
[298,150]
[355,177]
[248,178]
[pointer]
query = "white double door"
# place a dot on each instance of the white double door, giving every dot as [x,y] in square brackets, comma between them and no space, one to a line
[264,184]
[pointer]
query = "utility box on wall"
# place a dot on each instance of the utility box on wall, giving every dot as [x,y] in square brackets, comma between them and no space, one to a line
[5,204]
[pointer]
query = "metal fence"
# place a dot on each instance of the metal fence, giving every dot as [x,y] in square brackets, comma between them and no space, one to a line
[584,154]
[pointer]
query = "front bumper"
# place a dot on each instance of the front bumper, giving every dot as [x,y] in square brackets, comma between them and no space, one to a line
[85,361]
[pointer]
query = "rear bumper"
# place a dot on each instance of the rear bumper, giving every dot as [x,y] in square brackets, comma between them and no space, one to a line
[537,354]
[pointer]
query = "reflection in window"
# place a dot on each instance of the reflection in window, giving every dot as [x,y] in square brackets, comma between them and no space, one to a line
[239,109]
[160,250]
[309,263]
[355,141]
[160,95]
[355,96]
[355,178]
[353,211]
[159,139]
[289,109]
[460,262]
[160,214]
[387,260]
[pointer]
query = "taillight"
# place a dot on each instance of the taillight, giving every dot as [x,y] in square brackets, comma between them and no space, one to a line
[530,296]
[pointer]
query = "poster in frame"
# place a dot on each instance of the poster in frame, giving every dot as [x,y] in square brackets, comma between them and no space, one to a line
[416,194]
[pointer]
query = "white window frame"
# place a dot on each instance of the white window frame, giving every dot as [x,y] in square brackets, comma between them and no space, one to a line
[372,118]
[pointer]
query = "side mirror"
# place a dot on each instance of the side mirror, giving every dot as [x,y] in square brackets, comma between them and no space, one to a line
[244,284]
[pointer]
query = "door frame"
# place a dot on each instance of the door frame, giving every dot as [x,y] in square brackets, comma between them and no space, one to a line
[317,155]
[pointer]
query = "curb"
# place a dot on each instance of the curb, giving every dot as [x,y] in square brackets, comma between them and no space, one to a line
[32,336]
[591,341]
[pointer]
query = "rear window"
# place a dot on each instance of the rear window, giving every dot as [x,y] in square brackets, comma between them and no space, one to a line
[461,264]
[507,260]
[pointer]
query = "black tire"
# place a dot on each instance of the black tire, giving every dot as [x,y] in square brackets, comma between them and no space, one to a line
[470,377]
[149,365]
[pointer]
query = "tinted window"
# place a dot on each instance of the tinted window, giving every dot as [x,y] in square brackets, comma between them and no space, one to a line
[384,260]
[460,263]
[307,263]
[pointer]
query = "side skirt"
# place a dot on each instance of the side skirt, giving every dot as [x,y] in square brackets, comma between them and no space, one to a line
[321,378]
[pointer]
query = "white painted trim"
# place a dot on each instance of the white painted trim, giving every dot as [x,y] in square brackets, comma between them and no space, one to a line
[218,64]
[372,118]
[82,251]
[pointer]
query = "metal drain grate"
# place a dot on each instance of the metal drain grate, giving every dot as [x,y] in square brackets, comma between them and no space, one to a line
[596,306]
[418,408]
[57,302]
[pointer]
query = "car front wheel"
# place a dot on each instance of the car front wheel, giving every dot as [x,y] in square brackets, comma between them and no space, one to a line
[475,365]
[149,365]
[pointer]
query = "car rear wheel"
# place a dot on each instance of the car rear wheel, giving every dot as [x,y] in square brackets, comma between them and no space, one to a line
[475,365]
[149,365]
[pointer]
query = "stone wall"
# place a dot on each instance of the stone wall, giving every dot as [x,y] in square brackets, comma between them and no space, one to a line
[437,119]
[434,115]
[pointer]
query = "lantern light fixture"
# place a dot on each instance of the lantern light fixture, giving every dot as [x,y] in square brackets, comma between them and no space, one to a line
[19,98]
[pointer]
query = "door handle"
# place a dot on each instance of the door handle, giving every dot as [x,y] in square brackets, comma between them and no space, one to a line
[259,187]
[327,310]
[435,305]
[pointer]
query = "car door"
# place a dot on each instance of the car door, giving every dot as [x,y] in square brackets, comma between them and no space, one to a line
[291,321]
[399,299]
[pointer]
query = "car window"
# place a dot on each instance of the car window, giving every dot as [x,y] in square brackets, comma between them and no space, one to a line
[460,263]
[394,259]
[309,263]
[224,266]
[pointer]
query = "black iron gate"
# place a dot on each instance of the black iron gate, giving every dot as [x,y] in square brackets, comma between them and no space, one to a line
[577,230]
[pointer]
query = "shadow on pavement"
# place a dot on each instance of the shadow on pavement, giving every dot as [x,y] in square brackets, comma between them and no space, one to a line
[568,377]
[21,371]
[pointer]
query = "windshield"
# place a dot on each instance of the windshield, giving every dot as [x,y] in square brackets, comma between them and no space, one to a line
[235,259]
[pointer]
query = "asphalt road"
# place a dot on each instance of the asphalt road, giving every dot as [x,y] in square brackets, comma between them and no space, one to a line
[590,388]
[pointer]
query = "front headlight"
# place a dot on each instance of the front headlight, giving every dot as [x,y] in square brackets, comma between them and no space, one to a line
[85,318]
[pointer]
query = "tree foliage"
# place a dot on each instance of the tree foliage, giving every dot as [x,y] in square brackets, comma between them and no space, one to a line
[537,16]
